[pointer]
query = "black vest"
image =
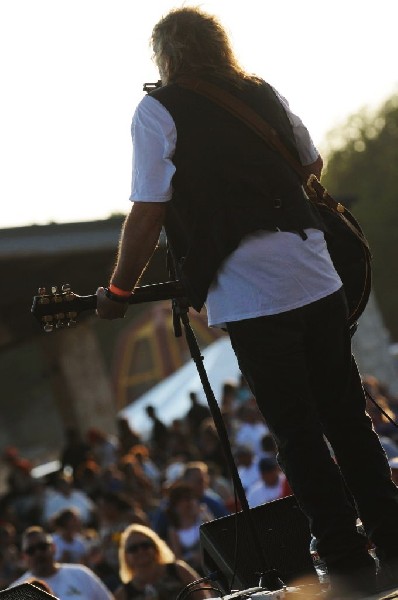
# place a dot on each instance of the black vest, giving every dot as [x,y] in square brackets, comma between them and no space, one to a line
[228,183]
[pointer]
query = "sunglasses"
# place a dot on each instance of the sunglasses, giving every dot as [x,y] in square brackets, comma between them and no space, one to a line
[134,548]
[41,546]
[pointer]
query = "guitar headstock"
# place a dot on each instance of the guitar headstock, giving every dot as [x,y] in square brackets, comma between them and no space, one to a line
[56,309]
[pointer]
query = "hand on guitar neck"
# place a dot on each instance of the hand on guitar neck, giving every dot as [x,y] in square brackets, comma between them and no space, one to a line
[111,309]
[61,307]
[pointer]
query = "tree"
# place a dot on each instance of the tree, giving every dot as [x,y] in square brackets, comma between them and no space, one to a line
[362,162]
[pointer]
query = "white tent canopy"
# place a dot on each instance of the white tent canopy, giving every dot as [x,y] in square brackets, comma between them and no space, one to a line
[170,398]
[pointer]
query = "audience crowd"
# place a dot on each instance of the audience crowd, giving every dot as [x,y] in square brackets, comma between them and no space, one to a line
[123,509]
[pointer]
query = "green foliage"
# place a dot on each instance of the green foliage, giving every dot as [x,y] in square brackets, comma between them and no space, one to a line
[363,163]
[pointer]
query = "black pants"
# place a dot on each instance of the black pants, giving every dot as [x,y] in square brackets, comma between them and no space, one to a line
[299,367]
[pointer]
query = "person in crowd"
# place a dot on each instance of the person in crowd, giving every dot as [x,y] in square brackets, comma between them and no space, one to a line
[148,566]
[103,447]
[179,442]
[65,580]
[112,479]
[268,446]
[116,511]
[229,392]
[62,494]
[210,448]
[88,479]
[136,483]
[75,450]
[250,427]
[228,406]
[196,414]
[247,241]
[126,436]
[173,471]
[247,465]
[159,435]
[10,562]
[222,486]
[23,497]
[270,484]
[196,473]
[186,514]
[242,392]
[142,454]
[70,545]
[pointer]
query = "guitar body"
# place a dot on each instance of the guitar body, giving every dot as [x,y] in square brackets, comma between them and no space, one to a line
[351,258]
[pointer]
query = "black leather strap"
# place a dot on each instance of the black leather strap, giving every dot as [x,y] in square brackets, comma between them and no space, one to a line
[115,297]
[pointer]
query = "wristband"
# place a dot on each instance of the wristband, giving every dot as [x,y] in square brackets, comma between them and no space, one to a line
[116,297]
[118,291]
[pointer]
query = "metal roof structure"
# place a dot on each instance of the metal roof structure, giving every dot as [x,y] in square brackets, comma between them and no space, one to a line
[81,254]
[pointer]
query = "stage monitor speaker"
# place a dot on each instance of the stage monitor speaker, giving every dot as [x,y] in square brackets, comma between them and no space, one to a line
[25,591]
[227,545]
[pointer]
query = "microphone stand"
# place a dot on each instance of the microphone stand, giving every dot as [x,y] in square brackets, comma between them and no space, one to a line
[269,578]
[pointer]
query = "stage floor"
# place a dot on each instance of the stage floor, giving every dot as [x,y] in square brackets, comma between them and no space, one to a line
[315,592]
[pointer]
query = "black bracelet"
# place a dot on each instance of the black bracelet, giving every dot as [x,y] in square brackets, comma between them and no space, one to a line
[115,297]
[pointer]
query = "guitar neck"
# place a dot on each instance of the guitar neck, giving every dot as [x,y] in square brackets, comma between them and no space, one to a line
[63,306]
[145,293]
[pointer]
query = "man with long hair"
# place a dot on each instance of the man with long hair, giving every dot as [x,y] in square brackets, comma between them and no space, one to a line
[247,242]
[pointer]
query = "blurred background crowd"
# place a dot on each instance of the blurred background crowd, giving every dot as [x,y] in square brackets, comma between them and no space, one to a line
[170,482]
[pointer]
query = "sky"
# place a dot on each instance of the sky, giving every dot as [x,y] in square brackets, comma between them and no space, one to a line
[72,72]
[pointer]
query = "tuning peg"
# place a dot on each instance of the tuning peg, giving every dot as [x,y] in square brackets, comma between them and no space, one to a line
[60,320]
[48,323]
[67,292]
[57,296]
[43,298]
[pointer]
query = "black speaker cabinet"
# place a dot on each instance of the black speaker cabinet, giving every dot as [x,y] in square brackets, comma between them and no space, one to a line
[25,591]
[227,545]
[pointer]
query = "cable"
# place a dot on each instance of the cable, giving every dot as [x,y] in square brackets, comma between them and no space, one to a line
[235,565]
[379,407]
[193,590]
[190,587]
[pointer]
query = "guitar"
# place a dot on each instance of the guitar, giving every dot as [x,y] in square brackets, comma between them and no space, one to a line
[61,307]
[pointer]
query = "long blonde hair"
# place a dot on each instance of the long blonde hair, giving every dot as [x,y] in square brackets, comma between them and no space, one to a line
[164,554]
[188,41]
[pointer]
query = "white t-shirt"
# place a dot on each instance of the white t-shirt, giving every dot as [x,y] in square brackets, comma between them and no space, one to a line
[251,434]
[259,492]
[72,582]
[270,272]
[55,502]
[248,475]
[75,549]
